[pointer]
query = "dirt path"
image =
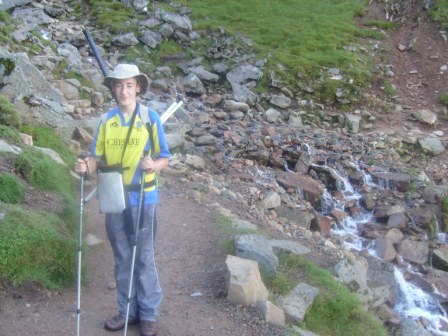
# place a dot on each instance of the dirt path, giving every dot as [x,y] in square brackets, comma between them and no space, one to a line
[192,271]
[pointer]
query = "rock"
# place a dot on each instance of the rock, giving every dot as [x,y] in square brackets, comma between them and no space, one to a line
[409,327]
[311,188]
[353,273]
[181,22]
[431,145]
[195,162]
[244,73]
[125,40]
[440,258]
[258,248]
[415,251]
[322,225]
[7,148]
[280,101]
[271,312]
[271,115]
[150,38]
[384,248]
[204,75]
[231,105]
[299,216]
[271,201]
[243,225]
[245,286]
[289,246]
[298,301]
[8,4]
[352,122]
[193,84]
[425,116]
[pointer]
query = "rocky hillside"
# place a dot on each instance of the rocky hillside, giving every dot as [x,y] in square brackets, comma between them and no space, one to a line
[365,183]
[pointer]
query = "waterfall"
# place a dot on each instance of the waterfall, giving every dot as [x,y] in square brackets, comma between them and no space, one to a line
[440,236]
[415,303]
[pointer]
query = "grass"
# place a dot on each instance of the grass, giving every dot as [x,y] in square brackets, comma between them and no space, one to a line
[9,116]
[115,16]
[44,173]
[443,99]
[225,225]
[35,246]
[335,311]
[303,43]
[381,24]
[10,135]
[439,12]
[6,29]
[78,77]
[48,138]
[12,190]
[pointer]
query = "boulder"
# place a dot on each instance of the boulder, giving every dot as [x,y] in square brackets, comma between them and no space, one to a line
[245,286]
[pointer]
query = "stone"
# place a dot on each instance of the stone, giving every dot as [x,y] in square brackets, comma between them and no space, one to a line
[440,258]
[271,312]
[195,162]
[245,286]
[256,247]
[297,302]
[384,248]
[413,250]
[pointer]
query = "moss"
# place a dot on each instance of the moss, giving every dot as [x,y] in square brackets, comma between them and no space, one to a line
[9,115]
[8,65]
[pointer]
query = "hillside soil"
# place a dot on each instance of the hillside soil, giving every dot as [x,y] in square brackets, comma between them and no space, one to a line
[190,260]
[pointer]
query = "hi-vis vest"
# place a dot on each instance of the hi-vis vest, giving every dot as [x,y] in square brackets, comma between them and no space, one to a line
[110,140]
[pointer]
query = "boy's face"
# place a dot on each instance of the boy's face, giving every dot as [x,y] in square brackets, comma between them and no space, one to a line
[126,90]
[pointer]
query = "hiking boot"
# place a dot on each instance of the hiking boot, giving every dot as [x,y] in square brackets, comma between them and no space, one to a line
[117,322]
[147,328]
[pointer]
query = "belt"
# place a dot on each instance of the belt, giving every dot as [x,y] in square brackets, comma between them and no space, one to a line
[136,187]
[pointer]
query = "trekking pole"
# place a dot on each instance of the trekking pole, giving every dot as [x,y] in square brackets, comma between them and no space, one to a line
[78,286]
[134,249]
[97,57]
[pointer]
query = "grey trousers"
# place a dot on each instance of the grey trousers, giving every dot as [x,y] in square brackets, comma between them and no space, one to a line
[146,293]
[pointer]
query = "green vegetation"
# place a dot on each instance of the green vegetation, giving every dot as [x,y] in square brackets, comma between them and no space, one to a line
[445,205]
[443,99]
[439,12]
[44,173]
[336,311]
[303,36]
[47,137]
[6,28]
[60,69]
[81,79]
[115,16]
[381,24]
[9,115]
[35,246]
[370,33]
[10,135]
[12,190]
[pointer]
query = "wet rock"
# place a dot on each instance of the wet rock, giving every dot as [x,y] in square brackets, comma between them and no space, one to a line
[440,258]
[415,251]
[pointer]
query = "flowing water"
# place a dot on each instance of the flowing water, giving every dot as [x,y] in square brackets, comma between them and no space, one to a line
[412,301]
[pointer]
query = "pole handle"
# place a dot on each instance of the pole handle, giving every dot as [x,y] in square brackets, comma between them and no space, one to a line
[98,58]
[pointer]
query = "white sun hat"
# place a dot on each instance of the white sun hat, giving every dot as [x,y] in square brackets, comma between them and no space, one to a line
[124,71]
